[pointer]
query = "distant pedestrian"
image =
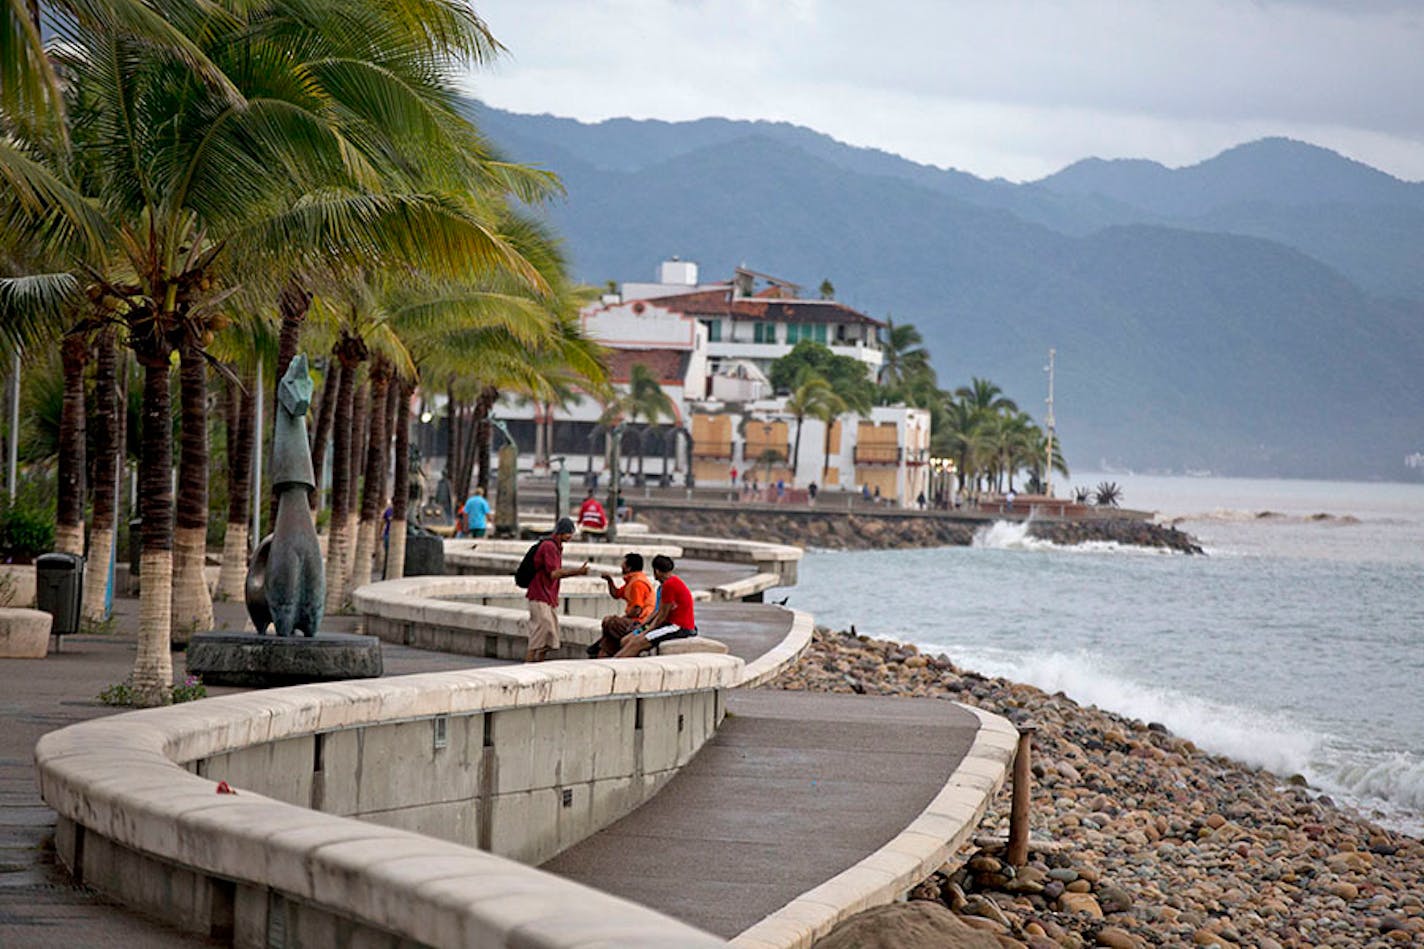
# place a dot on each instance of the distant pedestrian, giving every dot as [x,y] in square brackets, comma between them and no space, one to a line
[1009,499]
[780,490]
[921,500]
[876,499]
[476,512]
[812,490]
[734,475]
[865,492]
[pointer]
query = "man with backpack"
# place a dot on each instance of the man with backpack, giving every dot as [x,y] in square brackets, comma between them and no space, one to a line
[547,560]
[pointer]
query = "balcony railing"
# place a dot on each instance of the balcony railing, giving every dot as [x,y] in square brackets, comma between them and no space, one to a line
[877,454]
[712,450]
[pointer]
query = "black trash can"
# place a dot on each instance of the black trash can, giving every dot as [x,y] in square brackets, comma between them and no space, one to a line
[59,590]
[135,544]
[424,553]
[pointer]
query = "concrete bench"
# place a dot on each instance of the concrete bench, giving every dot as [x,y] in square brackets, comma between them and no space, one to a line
[24,634]
[678,647]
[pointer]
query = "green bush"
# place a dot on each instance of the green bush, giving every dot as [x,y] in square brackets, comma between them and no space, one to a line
[25,532]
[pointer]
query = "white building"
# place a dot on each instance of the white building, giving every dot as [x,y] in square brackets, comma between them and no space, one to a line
[711,347]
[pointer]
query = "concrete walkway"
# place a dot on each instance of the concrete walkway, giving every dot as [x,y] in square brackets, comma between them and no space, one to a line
[794,788]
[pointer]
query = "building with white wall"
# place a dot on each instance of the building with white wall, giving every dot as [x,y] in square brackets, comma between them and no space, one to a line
[711,347]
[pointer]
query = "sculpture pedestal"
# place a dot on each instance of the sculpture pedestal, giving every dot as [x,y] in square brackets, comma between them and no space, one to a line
[247,659]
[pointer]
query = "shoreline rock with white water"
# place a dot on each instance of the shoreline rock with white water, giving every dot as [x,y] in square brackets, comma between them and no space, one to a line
[1140,838]
[840,530]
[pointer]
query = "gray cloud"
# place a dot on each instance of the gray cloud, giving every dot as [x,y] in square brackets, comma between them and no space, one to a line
[998,87]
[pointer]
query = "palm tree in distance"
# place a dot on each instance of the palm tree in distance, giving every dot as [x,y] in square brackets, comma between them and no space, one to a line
[812,398]
[905,355]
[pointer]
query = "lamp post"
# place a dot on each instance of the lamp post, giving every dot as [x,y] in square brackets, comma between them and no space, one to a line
[1048,420]
[615,443]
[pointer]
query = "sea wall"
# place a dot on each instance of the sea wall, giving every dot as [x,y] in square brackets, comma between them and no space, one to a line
[841,530]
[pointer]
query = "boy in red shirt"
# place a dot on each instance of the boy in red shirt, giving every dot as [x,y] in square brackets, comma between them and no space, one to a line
[673,618]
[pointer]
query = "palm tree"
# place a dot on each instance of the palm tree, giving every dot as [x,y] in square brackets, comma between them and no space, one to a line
[905,356]
[646,399]
[310,159]
[812,397]
[984,396]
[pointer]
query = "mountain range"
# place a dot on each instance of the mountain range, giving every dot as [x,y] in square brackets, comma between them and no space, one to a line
[1259,313]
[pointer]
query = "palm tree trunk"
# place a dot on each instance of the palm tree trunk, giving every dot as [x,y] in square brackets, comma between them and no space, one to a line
[360,442]
[106,421]
[340,475]
[69,514]
[241,401]
[826,456]
[321,435]
[393,391]
[373,497]
[192,603]
[796,449]
[292,303]
[400,487]
[153,666]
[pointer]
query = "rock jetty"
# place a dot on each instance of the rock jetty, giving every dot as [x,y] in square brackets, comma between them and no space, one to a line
[839,530]
[1138,837]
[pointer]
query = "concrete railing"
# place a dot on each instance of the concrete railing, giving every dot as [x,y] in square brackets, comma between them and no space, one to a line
[522,761]
[484,556]
[780,559]
[488,620]
[485,616]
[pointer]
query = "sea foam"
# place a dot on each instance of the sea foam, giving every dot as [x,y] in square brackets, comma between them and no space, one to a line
[1388,786]
[1014,535]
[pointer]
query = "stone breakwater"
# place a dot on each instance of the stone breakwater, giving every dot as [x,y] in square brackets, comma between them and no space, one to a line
[839,530]
[1139,838]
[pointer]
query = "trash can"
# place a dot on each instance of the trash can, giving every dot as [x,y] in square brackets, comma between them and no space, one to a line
[59,590]
[424,553]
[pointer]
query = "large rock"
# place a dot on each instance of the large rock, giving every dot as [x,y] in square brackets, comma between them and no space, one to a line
[918,924]
[24,634]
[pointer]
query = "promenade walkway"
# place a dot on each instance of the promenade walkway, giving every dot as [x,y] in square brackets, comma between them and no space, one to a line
[793,789]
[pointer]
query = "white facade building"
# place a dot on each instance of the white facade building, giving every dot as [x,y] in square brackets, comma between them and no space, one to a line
[711,346]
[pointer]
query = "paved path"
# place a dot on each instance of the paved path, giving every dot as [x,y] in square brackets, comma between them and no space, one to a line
[794,788]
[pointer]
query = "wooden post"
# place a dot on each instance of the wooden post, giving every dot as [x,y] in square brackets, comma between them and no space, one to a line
[1018,814]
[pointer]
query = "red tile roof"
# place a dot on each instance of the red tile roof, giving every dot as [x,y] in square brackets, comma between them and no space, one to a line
[720,302]
[668,366]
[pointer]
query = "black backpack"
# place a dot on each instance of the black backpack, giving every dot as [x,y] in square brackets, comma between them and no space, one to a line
[524,573]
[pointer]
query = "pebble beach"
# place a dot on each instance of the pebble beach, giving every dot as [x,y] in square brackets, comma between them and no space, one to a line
[1139,838]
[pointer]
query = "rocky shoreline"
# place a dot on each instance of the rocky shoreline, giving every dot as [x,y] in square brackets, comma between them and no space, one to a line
[838,530]
[1139,838]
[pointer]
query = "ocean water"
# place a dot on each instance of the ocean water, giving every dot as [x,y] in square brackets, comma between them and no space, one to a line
[1296,644]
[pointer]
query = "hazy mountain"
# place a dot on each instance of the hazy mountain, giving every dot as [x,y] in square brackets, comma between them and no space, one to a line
[1210,317]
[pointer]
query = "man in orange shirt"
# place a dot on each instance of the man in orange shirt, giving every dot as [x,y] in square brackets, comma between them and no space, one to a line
[673,619]
[637,593]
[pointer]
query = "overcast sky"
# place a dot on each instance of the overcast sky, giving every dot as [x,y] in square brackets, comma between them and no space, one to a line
[1008,88]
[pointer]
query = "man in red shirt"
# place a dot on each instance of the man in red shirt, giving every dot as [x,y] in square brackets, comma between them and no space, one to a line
[593,519]
[673,619]
[543,595]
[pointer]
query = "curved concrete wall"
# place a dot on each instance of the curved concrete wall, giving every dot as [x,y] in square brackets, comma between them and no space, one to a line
[478,756]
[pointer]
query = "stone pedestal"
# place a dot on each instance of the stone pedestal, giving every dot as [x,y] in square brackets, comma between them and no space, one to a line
[24,634]
[246,659]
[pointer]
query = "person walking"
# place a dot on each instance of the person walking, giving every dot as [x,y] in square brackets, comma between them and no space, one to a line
[542,629]
[477,513]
